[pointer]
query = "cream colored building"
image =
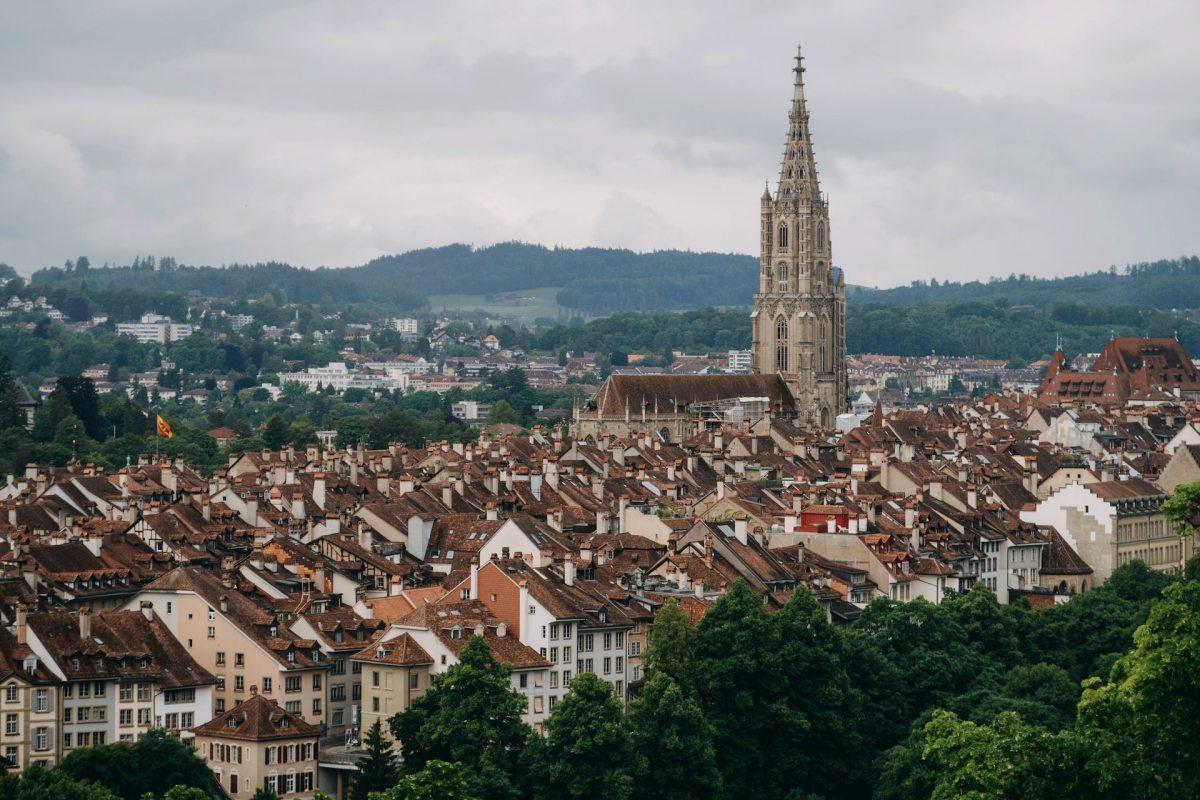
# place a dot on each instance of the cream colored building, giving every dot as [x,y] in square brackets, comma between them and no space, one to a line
[245,647]
[258,745]
[394,674]
[29,703]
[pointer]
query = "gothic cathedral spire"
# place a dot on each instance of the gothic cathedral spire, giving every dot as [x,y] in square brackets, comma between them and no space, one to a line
[799,311]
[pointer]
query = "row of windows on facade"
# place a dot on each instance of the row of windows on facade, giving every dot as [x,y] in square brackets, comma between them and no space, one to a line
[782,349]
[781,238]
[782,275]
[291,684]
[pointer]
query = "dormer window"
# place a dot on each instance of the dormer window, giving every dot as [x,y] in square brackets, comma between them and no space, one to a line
[456,633]
[74,663]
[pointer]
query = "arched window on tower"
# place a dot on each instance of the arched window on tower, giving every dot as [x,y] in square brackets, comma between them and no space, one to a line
[781,345]
[783,237]
[781,282]
[821,358]
[820,235]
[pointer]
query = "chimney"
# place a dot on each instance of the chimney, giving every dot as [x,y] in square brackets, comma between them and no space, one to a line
[490,509]
[523,630]
[354,472]
[597,487]
[319,579]
[622,508]
[910,515]
[206,508]
[85,623]
[972,495]
[569,572]
[319,489]
[475,581]
[740,529]
[223,603]
[297,505]
[12,513]
[448,496]
[22,622]
[147,609]
[601,522]
[479,629]
[789,523]
[501,629]
[720,488]
[383,482]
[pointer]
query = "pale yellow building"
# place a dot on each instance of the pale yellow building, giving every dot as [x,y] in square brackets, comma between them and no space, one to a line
[394,674]
[258,745]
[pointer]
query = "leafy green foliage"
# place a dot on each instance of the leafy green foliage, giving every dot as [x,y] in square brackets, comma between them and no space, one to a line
[36,783]
[587,755]
[673,744]
[153,764]
[437,780]
[470,716]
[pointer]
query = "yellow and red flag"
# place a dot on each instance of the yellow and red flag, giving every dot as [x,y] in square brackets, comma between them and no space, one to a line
[164,428]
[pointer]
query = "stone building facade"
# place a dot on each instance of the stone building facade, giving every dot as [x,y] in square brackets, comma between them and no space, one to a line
[799,317]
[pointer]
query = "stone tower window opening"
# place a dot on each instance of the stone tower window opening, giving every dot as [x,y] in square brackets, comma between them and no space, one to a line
[781,345]
[783,236]
[782,279]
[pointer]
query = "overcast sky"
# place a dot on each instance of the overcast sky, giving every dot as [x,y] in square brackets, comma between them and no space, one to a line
[955,139]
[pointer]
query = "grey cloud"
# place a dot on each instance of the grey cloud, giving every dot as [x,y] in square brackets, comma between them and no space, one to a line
[955,139]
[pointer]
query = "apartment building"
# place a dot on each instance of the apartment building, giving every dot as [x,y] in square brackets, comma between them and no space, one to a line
[29,702]
[259,745]
[245,645]
[119,673]
[155,328]
[395,673]
[340,633]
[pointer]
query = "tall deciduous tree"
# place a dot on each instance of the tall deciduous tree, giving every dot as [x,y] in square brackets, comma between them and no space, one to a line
[470,716]
[587,755]
[669,643]
[672,742]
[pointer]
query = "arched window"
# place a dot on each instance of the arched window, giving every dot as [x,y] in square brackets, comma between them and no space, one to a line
[820,235]
[781,282]
[783,237]
[821,357]
[824,417]
[781,345]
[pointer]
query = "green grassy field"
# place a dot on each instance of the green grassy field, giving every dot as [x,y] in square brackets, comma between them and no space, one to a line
[523,305]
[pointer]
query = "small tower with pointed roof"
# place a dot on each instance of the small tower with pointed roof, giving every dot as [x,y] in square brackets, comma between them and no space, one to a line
[799,317]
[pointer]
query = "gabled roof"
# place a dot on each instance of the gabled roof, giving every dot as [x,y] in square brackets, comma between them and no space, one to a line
[258,720]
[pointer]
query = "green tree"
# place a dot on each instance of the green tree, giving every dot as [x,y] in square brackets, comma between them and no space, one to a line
[36,783]
[588,754]
[1182,508]
[669,643]
[275,432]
[733,655]
[377,768]
[673,743]
[153,764]
[263,793]
[470,716]
[186,793]
[1139,726]
[438,780]
[1007,760]
[503,412]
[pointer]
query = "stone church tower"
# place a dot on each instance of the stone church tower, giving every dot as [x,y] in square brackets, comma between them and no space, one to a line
[799,317]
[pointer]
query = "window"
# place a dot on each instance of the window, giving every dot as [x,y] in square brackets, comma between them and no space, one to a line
[781,279]
[782,237]
[781,345]
[316,707]
[10,724]
[267,685]
[620,640]
[316,682]
[375,703]
[553,655]
[10,693]
[143,693]
[553,680]
[85,689]
[125,717]
[99,738]
[292,706]
[566,679]
[220,658]
[620,664]
[98,689]
[212,632]
[608,639]
[291,683]
[414,680]
[239,659]
[41,699]
[125,692]
[239,683]
[820,235]
[607,665]
[374,677]
[41,738]
[144,716]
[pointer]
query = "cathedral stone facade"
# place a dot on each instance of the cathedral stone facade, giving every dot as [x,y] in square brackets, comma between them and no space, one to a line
[799,324]
[799,317]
